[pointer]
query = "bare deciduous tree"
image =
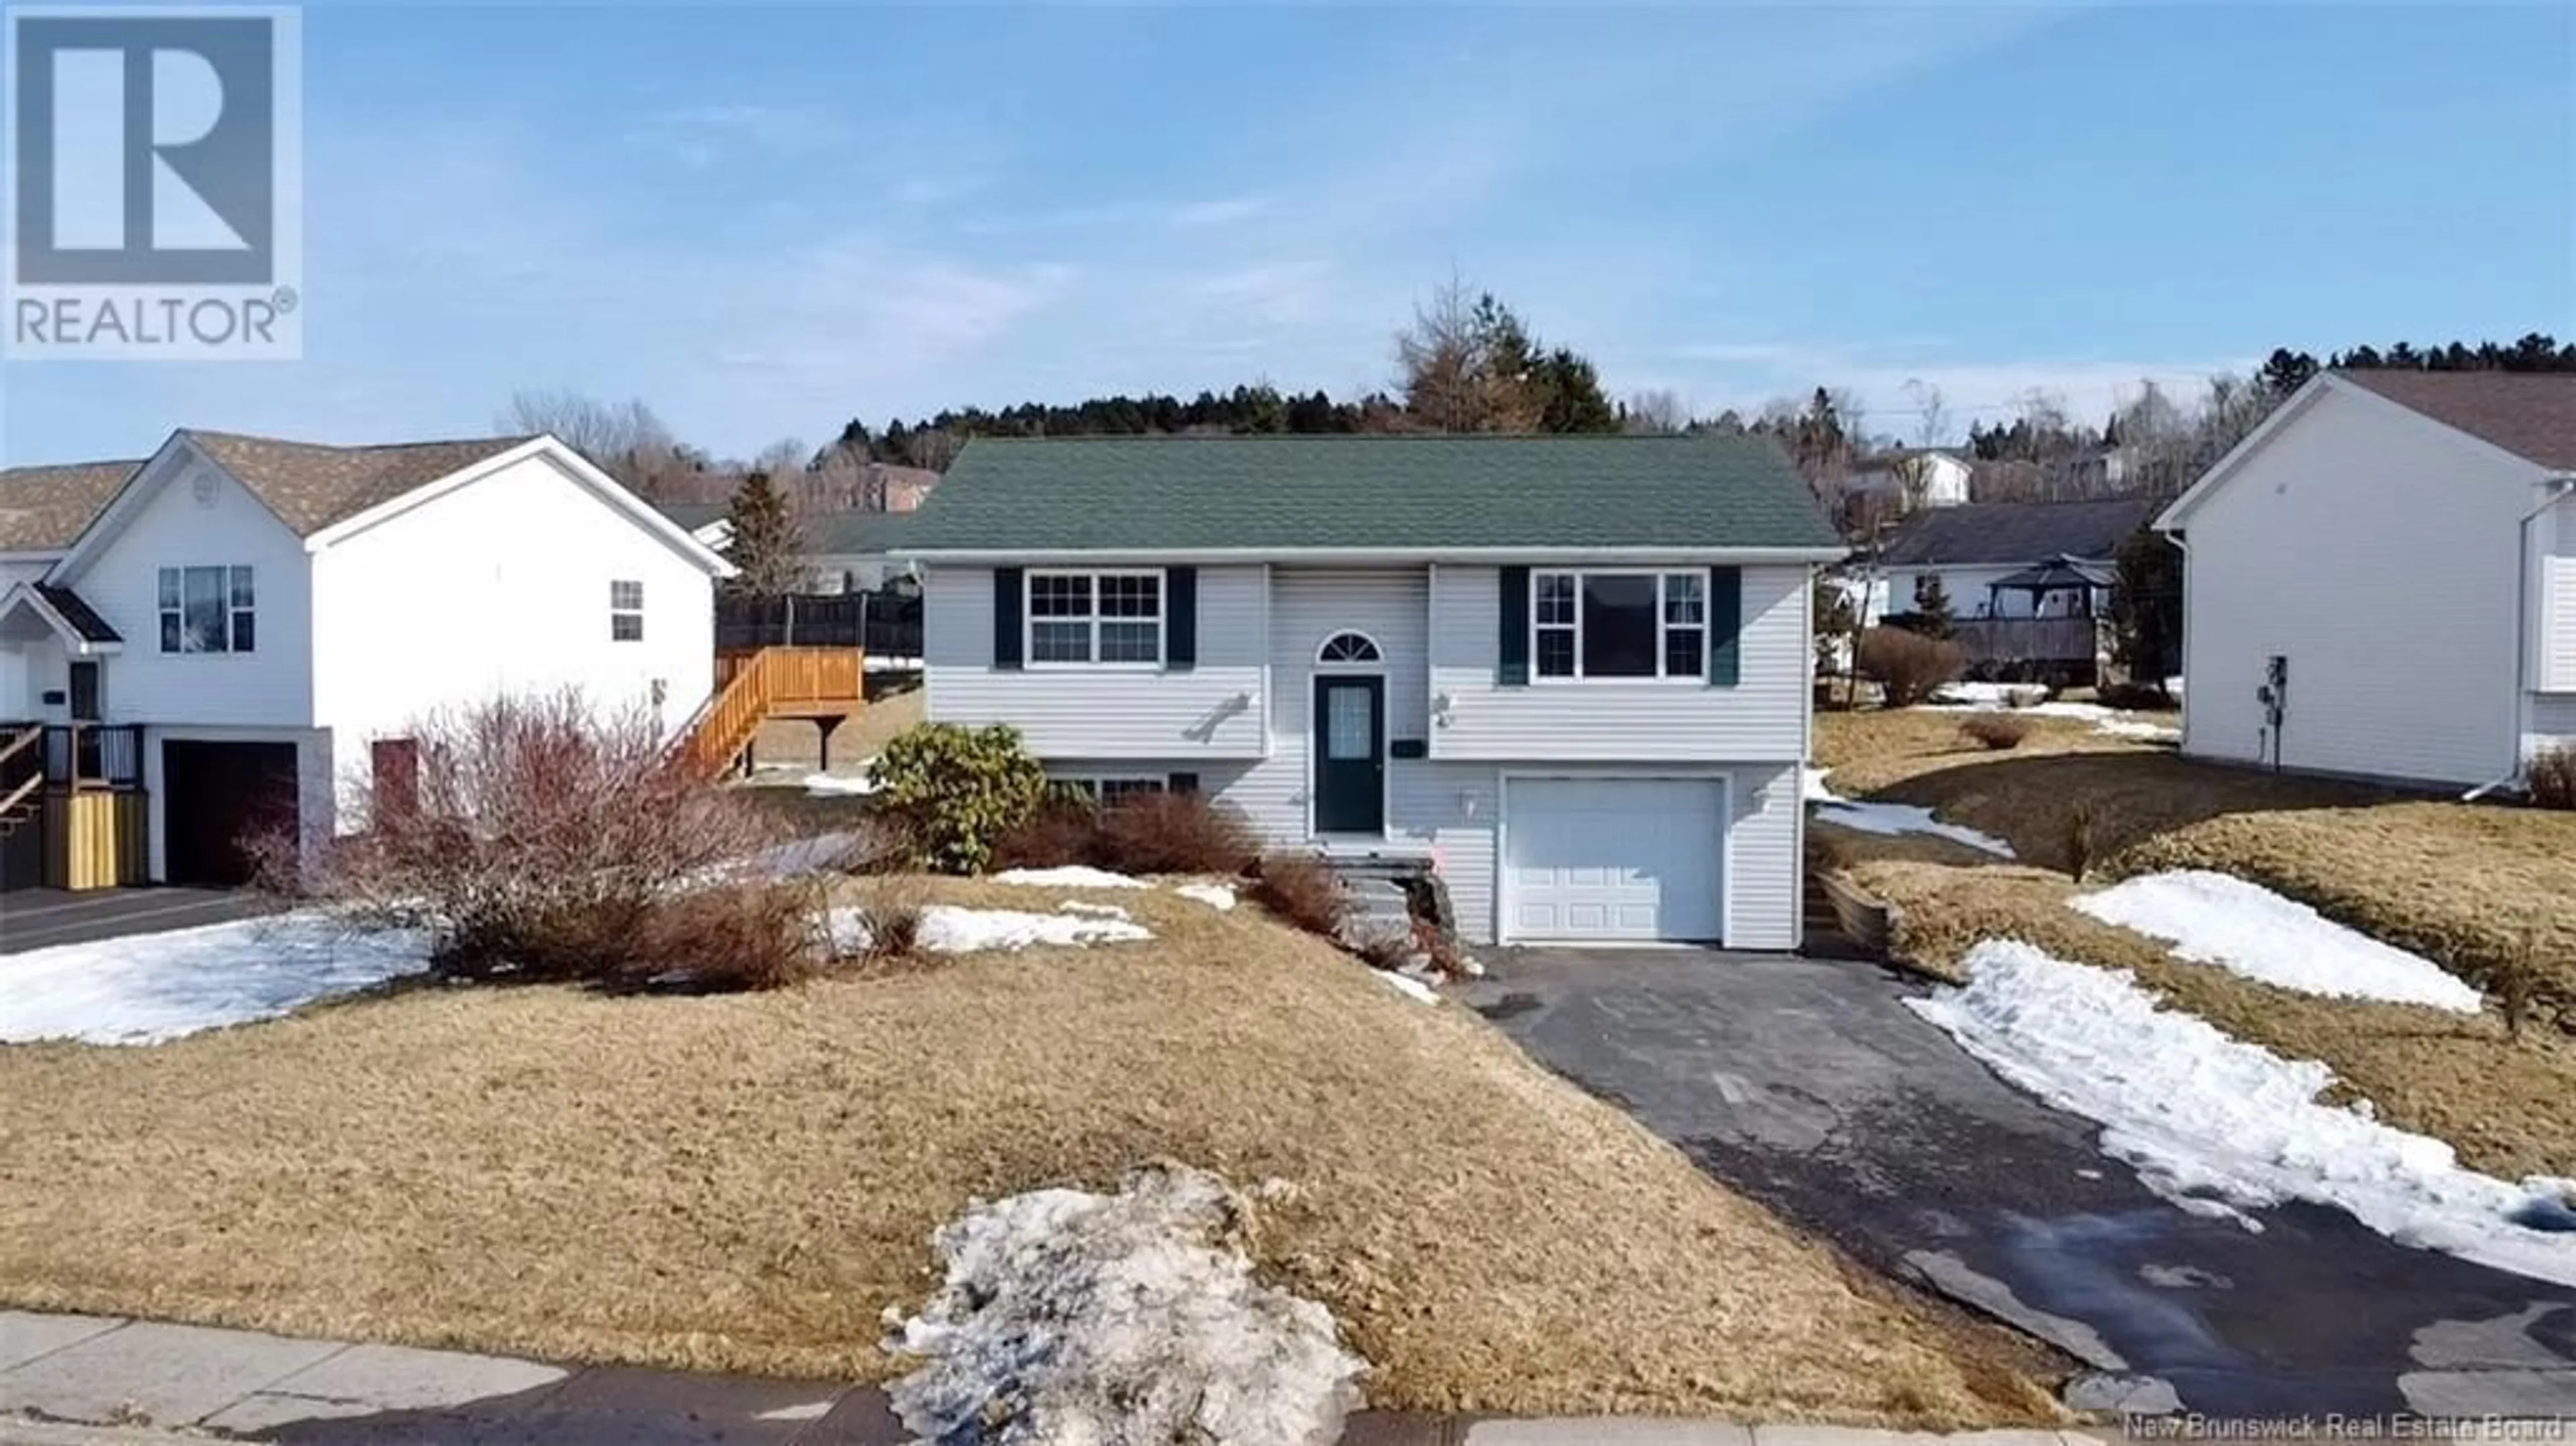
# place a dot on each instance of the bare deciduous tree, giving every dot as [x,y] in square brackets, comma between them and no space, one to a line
[1658,410]
[626,441]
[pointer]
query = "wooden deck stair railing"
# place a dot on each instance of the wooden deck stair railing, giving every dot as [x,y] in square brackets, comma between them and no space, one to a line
[18,801]
[754,687]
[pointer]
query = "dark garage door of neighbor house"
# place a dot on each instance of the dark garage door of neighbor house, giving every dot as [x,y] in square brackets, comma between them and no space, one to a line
[214,796]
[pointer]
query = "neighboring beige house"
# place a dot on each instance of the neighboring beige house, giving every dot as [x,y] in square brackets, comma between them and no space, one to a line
[2381,580]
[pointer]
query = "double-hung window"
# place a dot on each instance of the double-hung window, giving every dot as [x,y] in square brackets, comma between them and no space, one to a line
[208,610]
[1095,617]
[626,612]
[1619,624]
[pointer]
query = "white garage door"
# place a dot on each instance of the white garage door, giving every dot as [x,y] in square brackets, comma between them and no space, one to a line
[1614,858]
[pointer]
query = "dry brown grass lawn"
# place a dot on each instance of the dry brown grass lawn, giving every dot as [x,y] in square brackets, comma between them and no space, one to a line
[2462,884]
[746,1182]
[793,740]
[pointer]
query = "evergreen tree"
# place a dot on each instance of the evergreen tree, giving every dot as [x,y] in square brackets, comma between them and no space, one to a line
[1572,397]
[2147,610]
[1935,617]
[765,544]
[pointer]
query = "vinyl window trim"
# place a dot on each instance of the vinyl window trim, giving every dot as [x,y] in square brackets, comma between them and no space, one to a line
[1664,628]
[1029,621]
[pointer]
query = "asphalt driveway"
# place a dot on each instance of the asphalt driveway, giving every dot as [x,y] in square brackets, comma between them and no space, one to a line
[40,918]
[1808,1085]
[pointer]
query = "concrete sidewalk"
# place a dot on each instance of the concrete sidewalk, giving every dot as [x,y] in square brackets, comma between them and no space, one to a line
[69,1380]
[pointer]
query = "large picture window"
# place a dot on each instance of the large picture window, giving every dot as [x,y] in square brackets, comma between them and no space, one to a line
[208,610]
[1095,617]
[1619,624]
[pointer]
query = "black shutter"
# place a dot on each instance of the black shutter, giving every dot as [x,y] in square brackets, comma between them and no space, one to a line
[1182,783]
[1181,618]
[1514,668]
[1007,598]
[1725,625]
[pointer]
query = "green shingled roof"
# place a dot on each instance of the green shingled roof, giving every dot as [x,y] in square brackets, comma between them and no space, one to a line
[1168,494]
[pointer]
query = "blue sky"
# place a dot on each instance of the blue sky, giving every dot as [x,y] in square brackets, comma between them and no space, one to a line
[766,221]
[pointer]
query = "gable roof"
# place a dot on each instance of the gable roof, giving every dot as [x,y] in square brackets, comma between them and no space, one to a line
[1994,533]
[694,515]
[857,534]
[1375,494]
[44,509]
[2530,414]
[311,486]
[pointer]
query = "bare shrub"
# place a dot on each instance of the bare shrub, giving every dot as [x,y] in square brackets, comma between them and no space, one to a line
[545,841]
[1909,667]
[893,909]
[2135,697]
[1176,833]
[2083,831]
[1996,731]
[1301,891]
[2551,777]
[1063,830]
[1390,950]
[752,936]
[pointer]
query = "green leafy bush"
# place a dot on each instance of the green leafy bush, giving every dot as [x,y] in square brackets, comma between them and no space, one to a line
[957,791]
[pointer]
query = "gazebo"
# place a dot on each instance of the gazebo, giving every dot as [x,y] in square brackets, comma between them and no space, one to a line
[2060,574]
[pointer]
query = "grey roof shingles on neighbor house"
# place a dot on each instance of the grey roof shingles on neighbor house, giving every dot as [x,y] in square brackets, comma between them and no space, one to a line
[2013,533]
[1360,493]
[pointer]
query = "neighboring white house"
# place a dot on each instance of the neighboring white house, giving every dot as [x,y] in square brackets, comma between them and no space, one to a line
[249,620]
[2381,580]
[1923,477]
[1572,672]
[1973,549]
[846,551]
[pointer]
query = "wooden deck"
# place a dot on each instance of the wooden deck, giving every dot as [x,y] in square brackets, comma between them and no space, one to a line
[756,685]
[1995,645]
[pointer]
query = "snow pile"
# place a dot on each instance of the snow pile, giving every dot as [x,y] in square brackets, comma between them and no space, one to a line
[2219,1126]
[948,929]
[1890,819]
[1096,911]
[832,785]
[146,988]
[1072,1317]
[1071,876]
[2213,918]
[1411,985]
[1216,896]
[2028,700]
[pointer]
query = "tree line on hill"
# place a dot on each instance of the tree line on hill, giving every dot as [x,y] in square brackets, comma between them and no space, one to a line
[1468,362]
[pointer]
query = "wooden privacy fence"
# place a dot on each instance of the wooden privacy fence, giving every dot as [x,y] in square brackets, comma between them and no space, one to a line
[1993,644]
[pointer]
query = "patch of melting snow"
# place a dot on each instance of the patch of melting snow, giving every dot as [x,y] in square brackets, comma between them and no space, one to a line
[1409,986]
[2220,1127]
[2000,698]
[2246,929]
[1070,876]
[948,929]
[1891,819]
[1072,1317]
[1096,911]
[1219,897]
[833,785]
[147,988]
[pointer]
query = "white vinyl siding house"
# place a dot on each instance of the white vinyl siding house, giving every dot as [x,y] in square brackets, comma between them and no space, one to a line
[285,643]
[1495,714]
[2404,572]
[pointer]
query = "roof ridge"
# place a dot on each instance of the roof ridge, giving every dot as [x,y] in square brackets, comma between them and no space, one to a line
[498,439]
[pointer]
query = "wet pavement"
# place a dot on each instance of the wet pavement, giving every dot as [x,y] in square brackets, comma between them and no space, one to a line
[1808,1085]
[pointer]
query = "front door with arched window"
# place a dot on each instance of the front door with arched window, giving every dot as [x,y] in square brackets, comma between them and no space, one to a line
[1349,739]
